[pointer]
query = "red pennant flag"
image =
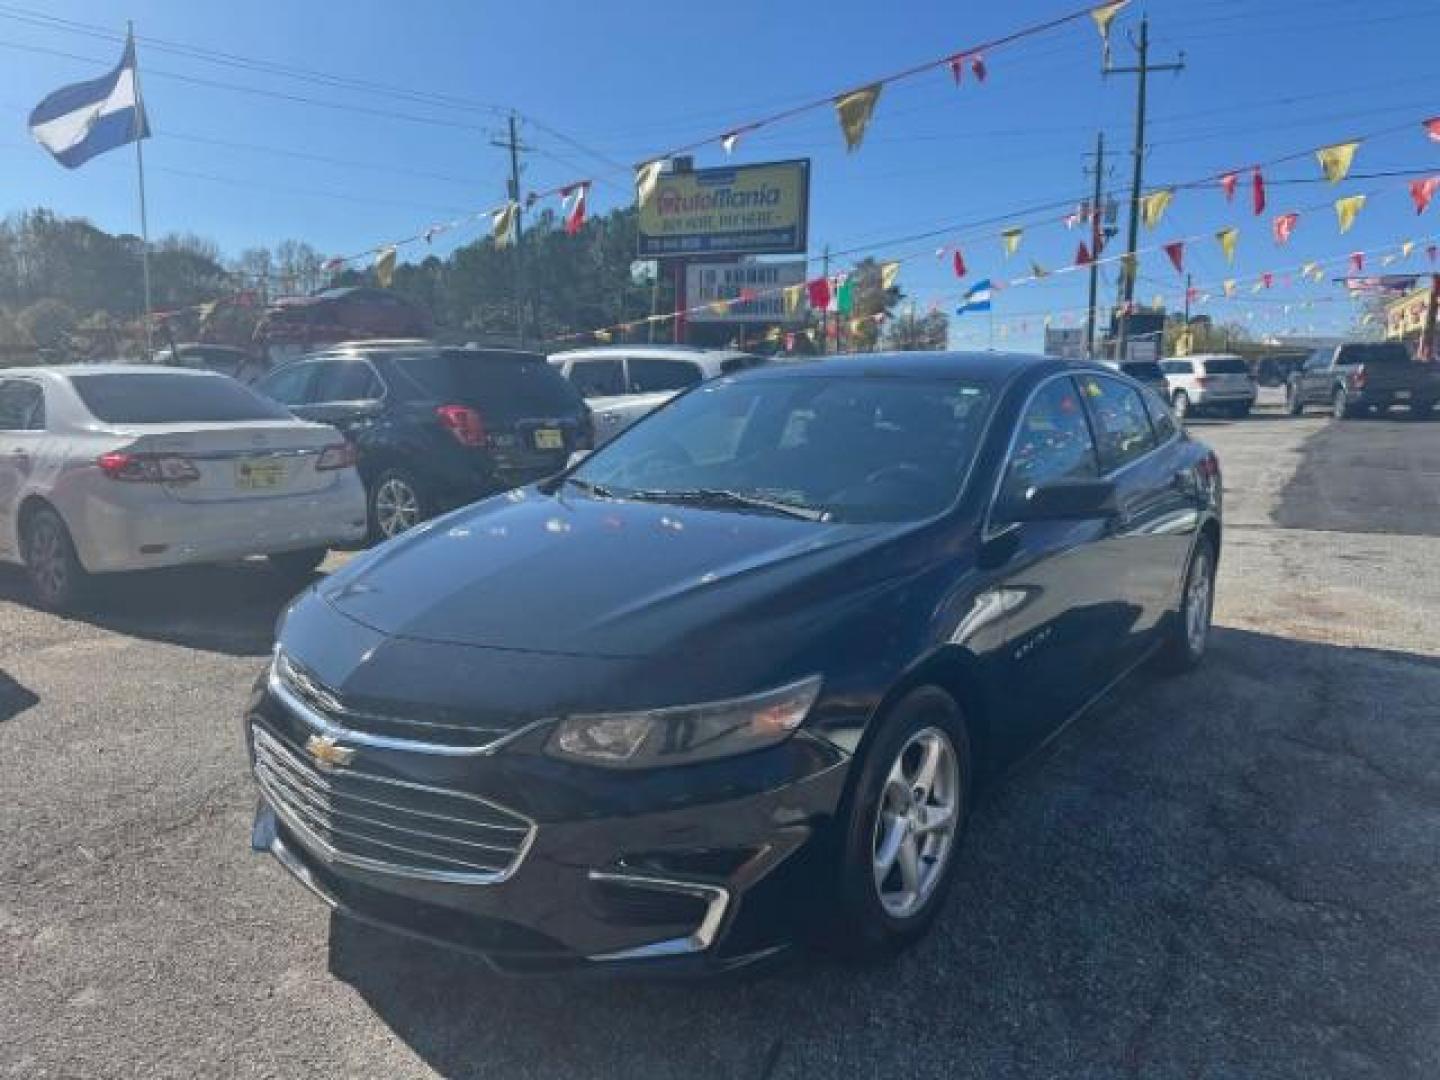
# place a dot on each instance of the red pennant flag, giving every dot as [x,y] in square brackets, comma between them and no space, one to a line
[1422,191]
[1432,128]
[576,217]
[819,291]
[1192,294]
[1227,185]
[1267,279]
[748,296]
[1083,256]
[1357,261]
[1258,190]
[1284,227]
[957,67]
[959,264]
[1176,251]
[977,65]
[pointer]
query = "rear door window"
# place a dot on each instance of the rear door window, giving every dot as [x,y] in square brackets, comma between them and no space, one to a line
[1053,442]
[22,406]
[172,399]
[653,373]
[598,378]
[290,385]
[1122,426]
[1160,416]
[345,380]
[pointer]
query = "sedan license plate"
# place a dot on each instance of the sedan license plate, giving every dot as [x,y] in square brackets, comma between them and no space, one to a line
[1402,395]
[259,474]
[549,439]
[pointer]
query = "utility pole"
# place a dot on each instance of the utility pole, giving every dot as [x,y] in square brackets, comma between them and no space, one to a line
[515,147]
[1097,234]
[1129,269]
[1188,289]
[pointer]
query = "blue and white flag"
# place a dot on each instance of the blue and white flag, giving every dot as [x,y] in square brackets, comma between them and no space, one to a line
[79,121]
[977,299]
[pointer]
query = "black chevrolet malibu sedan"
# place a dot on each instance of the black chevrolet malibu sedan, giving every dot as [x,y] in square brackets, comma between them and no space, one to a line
[737,675]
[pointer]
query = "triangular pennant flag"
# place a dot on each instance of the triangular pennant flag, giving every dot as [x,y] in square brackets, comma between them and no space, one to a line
[957,67]
[1285,226]
[1258,192]
[1227,185]
[844,294]
[1386,260]
[855,110]
[1228,239]
[978,68]
[1011,237]
[959,264]
[793,295]
[1229,286]
[502,224]
[385,267]
[1152,206]
[1406,248]
[1104,15]
[573,196]
[1336,160]
[728,141]
[646,177]
[1176,252]
[1083,256]
[1357,261]
[1422,191]
[889,272]
[1432,128]
[819,291]
[1310,268]
[1346,209]
[1257,286]
[1267,279]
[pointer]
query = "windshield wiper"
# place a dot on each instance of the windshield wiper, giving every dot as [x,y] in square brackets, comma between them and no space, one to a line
[723,497]
[600,491]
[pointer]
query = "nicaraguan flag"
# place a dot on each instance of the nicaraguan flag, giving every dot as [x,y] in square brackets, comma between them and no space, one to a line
[77,122]
[977,299]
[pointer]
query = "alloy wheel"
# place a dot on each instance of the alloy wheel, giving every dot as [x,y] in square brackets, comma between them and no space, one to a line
[397,507]
[45,556]
[916,822]
[1199,597]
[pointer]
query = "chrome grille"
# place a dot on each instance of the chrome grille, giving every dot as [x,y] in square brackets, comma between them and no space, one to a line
[391,826]
[308,693]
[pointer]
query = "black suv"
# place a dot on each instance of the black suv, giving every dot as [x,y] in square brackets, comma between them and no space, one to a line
[437,427]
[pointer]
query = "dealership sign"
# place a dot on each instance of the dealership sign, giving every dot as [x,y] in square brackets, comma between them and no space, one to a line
[741,292]
[744,210]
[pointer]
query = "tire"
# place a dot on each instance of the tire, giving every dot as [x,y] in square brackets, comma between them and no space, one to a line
[57,579]
[1180,405]
[877,913]
[395,502]
[299,565]
[1422,412]
[1341,405]
[1294,404]
[1189,633]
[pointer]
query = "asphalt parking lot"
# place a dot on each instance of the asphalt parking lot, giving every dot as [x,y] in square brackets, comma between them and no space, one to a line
[1230,875]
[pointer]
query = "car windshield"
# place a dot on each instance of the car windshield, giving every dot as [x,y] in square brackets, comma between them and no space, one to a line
[172,399]
[843,449]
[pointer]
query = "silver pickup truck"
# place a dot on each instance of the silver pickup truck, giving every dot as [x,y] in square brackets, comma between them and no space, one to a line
[622,383]
[1364,377]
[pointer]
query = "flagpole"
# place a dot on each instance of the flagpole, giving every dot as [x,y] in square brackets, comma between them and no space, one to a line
[140,171]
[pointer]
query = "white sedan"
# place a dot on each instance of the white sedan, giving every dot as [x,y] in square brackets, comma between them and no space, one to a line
[109,467]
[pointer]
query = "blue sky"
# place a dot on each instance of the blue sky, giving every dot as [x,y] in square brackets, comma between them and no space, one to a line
[625,79]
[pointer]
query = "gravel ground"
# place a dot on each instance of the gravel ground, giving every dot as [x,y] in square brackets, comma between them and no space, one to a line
[1233,874]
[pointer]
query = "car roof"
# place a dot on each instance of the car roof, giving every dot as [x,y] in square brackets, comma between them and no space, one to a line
[990,367]
[68,370]
[685,352]
[415,348]
[1209,356]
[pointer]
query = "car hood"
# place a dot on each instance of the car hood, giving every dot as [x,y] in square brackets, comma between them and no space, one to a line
[535,572]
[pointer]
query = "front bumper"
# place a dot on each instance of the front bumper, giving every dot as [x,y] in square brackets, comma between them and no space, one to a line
[617,871]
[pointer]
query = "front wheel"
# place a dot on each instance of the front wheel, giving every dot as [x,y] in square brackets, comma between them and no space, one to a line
[397,504]
[1341,405]
[1189,636]
[56,576]
[1294,404]
[906,817]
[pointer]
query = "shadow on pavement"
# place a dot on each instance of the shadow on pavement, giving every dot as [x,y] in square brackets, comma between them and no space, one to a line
[1226,874]
[229,608]
[14,698]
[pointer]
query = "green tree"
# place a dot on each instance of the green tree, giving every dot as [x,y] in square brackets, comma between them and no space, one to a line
[47,323]
[929,332]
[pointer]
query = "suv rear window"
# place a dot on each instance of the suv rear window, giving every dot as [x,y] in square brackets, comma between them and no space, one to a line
[1389,353]
[1177,367]
[172,399]
[1227,365]
[502,384]
[1143,370]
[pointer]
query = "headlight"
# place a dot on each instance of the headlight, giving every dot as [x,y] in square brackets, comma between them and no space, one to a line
[676,736]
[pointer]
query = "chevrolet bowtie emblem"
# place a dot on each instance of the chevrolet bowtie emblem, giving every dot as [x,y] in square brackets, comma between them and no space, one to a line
[328,753]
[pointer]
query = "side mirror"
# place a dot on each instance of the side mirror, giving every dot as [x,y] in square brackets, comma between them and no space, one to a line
[1066,500]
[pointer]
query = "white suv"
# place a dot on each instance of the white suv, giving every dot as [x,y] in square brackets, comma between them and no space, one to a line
[1218,383]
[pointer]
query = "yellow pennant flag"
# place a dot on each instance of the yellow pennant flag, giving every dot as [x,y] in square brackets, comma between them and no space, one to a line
[1406,248]
[646,177]
[1229,286]
[502,224]
[1153,206]
[793,295]
[1104,15]
[1346,209]
[1308,269]
[889,274]
[385,267]
[1336,160]
[1012,240]
[1185,344]
[855,110]
[1228,239]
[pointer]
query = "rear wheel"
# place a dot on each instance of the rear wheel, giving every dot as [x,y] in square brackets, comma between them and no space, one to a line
[397,503]
[56,576]
[297,565]
[1180,404]
[1294,405]
[1190,633]
[906,818]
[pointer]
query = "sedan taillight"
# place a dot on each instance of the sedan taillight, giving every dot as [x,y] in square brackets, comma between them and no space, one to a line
[148,468]
[465,423]
[339,456]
